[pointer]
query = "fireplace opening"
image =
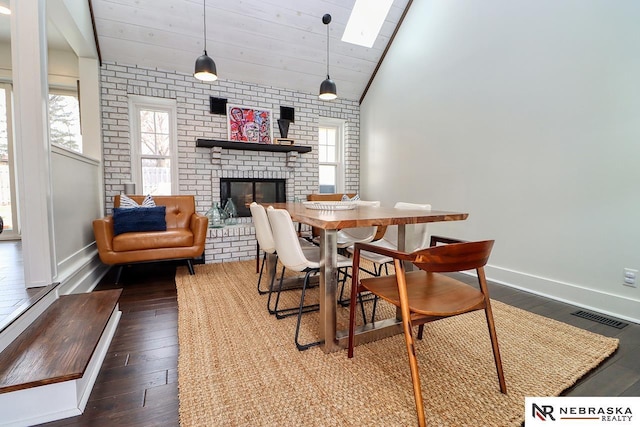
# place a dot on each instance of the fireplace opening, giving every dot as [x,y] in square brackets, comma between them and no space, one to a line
[243,191]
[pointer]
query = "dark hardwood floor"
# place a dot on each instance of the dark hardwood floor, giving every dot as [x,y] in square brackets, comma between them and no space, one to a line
[14,297]
[617,376]
[137,385]
[138,381]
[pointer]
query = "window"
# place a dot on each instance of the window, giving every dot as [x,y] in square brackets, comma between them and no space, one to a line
[154,145]
[64,131]
[64,119]
[8,205]
[365,22]
[330,153]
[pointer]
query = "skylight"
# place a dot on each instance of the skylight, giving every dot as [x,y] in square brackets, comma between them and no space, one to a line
[365,21]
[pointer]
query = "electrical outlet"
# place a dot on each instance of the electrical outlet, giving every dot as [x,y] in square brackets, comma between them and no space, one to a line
[629,277]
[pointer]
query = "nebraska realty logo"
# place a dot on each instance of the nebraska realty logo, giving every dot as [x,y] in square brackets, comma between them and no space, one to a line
[582,411]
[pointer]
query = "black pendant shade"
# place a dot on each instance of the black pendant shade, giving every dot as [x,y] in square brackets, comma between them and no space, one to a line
[205,68]
[328,89]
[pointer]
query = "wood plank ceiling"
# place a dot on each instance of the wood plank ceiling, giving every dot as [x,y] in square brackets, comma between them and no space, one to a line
[280,43]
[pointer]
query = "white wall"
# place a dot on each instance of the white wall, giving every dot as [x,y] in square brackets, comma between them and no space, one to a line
[527,116]
[76,203]
[73,256]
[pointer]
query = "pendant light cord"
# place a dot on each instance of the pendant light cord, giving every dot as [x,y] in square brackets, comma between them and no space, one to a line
[327,50]
[204,2]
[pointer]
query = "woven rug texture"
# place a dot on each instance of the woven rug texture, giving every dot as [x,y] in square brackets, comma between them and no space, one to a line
[238,365]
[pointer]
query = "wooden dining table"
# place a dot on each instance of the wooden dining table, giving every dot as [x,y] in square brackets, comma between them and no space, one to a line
[329,222]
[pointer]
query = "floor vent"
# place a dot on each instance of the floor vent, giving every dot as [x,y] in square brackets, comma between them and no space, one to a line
[600,319]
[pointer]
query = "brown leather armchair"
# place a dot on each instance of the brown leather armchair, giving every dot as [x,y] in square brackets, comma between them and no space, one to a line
[184,237]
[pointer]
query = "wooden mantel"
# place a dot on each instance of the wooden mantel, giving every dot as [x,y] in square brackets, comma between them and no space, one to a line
[250,146]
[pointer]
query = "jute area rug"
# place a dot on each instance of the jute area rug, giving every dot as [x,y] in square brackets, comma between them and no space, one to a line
[238,365]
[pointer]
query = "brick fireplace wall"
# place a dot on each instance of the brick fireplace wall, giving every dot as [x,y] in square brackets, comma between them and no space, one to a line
[200,169]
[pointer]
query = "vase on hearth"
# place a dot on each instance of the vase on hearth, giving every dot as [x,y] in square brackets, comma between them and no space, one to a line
[231,213]
[215,215]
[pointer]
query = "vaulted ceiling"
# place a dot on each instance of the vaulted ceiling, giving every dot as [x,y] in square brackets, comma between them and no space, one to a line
[279,43]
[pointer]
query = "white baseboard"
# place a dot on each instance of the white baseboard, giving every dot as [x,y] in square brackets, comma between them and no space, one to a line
[59,400]
[590,299]
[84,278]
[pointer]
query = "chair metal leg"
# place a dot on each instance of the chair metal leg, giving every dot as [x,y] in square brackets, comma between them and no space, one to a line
[271,291]
[264,261]
[375,300]
[377,271]
[373,311]
[258,258]
[364,314]
[344,302]
[341,301]
[286,312]
[302,347]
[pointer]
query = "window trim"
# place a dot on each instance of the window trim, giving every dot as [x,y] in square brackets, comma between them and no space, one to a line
[137,103]
[339,125]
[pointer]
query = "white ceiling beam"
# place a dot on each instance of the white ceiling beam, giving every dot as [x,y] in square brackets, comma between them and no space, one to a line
[72,19]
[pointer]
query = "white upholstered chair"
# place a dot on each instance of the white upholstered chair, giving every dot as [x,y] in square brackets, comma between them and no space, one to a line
[293,257]
[416,235]
[264,236]
[350,236]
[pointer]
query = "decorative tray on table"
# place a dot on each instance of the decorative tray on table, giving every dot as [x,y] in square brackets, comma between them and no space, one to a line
[330,206]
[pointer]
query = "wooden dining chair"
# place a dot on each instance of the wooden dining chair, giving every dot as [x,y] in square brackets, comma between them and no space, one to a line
[325,197]
[426,294]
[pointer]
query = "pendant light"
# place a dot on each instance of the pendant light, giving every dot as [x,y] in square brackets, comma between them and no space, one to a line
[327,87]
[205,67]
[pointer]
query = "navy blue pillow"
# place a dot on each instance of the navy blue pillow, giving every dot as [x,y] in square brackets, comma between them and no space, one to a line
[139,219]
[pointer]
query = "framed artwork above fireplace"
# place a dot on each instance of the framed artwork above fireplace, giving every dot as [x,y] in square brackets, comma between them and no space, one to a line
[250,124]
